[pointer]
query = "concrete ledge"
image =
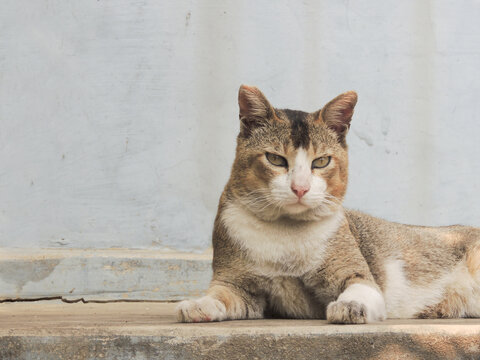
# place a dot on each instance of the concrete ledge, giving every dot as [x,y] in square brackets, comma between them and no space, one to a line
[102,275]
[144,330]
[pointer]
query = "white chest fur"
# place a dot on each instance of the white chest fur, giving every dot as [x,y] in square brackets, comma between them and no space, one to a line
[279,248]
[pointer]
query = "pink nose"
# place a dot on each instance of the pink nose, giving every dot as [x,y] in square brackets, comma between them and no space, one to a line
[299,190]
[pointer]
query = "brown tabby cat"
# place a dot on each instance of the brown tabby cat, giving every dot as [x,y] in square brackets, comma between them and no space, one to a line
[285,246]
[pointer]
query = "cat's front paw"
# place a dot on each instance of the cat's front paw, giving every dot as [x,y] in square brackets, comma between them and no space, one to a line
[346,312]
[358,304]
[201,310]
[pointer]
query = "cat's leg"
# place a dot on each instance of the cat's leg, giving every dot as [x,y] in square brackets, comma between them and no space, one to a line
[345,283]
[222,302]
[473,265]
[360,303]
[289,298]
[462,293]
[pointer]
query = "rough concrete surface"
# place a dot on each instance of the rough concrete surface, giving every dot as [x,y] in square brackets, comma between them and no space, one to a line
[103,274]
[55,330]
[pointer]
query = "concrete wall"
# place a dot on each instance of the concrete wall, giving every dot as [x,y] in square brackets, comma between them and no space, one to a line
[118,118]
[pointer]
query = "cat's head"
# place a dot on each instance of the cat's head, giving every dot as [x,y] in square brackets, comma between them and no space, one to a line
[291,163]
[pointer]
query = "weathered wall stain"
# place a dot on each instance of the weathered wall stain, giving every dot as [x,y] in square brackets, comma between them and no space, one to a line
[20,272]
[125,266]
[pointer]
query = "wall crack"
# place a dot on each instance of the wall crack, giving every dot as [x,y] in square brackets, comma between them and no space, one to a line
[82,300]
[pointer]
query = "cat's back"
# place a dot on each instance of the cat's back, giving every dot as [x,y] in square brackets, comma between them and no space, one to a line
[367,228]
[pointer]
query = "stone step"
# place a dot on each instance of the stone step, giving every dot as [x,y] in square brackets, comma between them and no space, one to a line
[145,330]
[103,274]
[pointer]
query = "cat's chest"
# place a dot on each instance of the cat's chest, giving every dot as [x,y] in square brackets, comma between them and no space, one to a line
[279,249]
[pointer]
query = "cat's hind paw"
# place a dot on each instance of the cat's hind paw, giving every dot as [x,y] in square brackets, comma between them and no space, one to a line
[204,309]
[346,312]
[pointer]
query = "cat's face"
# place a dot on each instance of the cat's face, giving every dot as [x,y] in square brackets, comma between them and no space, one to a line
[290,163]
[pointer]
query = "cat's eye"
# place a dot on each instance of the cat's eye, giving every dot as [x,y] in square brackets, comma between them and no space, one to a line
[321,162]
[276,160]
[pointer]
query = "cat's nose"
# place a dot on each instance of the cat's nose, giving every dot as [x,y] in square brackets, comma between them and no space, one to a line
[299,190]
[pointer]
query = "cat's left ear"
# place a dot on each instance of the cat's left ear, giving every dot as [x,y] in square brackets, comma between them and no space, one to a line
[337,114]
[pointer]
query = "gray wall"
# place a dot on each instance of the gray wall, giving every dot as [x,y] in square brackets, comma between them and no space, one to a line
[118,118]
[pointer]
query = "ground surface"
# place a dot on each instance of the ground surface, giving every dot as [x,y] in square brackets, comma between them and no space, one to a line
[144,330]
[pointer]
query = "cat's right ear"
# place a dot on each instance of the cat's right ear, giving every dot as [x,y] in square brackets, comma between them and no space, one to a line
[255,109]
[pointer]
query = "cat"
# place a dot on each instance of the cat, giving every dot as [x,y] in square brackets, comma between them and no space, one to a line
[284,246]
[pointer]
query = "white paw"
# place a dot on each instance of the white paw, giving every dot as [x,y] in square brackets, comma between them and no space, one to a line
[201,310]
[346,312]
[358,304]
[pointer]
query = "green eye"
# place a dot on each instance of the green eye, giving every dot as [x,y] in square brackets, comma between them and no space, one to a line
[276,160]
[321,162]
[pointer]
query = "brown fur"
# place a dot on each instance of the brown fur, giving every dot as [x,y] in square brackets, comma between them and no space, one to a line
[358,252]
